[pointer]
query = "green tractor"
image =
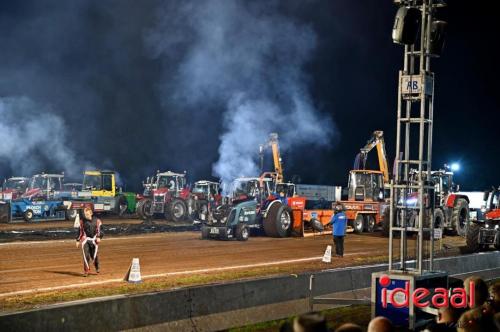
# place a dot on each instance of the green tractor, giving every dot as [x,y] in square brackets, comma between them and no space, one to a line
[251,208]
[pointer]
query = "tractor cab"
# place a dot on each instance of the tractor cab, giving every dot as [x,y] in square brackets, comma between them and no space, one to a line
[492,204]
[366,185]
[204,189]
[100,183]
[169,182]
[44,186]
[13,187]
[443,182]
[245,188]
[286,189]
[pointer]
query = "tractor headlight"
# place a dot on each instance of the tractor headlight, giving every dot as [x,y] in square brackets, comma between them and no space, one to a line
[497,227]
[487,226]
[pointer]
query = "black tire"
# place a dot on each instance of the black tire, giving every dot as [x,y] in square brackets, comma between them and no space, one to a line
[460,217]
[472,238]
[413,219]
[121,206]
[71,214]
[28,215]
[385,223]
[242,232]
[358,224]
[144,209]
[438,219]
[177,210]
[204,232]
[202,211]
[369,223]
[278,222]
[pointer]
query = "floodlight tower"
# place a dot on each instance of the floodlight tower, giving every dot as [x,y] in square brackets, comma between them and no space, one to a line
[411,204]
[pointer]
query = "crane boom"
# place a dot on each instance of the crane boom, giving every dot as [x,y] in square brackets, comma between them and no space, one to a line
[278,167]
[377,140]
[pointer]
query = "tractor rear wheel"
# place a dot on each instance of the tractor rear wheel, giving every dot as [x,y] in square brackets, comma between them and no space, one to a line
[359,224]
[278,222]
[178,210]
[472,237]
[370,223]
[144,209]
[28,215]
[242,232]
[460,217]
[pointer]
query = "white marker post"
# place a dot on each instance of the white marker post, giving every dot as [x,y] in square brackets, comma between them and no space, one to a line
[327,257]
[134,272]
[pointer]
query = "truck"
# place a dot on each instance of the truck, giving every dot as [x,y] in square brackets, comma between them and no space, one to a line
[484,231]
[367,198]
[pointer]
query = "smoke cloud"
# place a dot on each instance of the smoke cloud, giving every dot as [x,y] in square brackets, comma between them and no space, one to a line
[248,60]
[31,135]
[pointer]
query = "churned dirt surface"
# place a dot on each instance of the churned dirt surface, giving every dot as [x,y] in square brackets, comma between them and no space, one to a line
[47,230]
[30,270]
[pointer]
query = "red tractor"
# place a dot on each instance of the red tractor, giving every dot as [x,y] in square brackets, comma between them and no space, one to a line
[485,231]
[451,208]
[168,196]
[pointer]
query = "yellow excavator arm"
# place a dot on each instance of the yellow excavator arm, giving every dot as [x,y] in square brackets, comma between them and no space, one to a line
[278,167]
[377,140]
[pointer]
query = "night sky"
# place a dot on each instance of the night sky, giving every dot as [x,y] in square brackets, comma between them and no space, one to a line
[103,84]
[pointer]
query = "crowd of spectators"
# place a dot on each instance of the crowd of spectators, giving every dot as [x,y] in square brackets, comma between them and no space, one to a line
[483,316]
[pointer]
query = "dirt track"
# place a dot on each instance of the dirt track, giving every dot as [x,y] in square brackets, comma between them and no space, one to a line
[38,266]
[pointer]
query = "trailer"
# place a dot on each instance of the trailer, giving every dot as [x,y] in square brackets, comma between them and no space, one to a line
[32,210]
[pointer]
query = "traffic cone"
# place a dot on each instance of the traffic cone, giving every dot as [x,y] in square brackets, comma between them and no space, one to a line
[134,272]
[327,257]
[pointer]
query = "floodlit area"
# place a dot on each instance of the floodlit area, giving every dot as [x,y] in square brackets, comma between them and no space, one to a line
[249,166]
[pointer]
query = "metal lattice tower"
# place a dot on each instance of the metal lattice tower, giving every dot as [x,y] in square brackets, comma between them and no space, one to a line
[411,207]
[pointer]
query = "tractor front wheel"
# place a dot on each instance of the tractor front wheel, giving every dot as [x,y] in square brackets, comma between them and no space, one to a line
[242,232]
[460,217]
[386,223]
[202,211]
[70,214]
[472,237]
[121,206]
[28,215]
[178,210]
[204,232]
[144,209]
